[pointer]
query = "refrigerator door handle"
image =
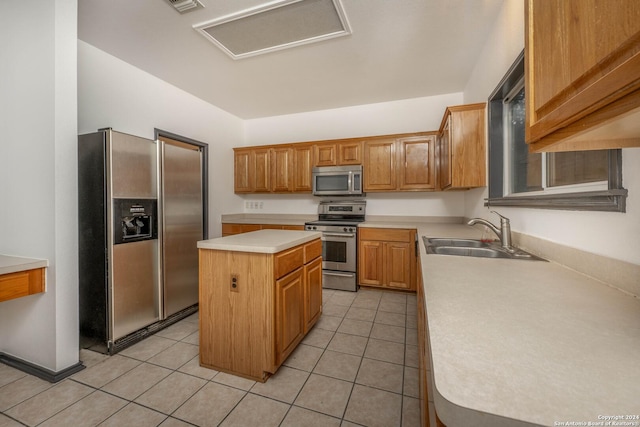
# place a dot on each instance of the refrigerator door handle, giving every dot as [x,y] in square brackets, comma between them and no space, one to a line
[161,228]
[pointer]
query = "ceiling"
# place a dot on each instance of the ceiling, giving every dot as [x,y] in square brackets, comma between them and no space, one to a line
[399,49]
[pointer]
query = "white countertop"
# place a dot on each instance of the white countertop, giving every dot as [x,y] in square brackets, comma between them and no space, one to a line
[262,241]
[12,264]
[520,343]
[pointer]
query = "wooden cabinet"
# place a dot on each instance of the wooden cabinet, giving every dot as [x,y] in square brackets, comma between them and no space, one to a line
[338,152]
[582,74]
[350,153]
[312,292]
[379,167]
[21,283]
[289,313]
[302,165]
[262,171]
[387,258]
[252,173]
[281,164]
[462,148]
[229,229]
[255,308]
[277,169]
[400,163]
[417,163]
[244,180]
[325,154]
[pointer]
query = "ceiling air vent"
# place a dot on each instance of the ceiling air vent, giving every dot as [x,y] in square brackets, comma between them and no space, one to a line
[183,6]
[276,25]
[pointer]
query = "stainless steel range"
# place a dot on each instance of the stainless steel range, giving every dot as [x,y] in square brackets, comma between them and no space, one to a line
[338,221]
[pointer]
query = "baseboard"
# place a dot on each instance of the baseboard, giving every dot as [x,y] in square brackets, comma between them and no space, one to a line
[39,371]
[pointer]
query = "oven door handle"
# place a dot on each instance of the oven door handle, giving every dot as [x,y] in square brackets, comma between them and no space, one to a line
[325,234]
[338,274]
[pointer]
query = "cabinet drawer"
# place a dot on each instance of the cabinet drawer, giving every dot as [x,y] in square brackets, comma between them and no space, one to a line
[312,251]
[289,260]
[386,234]
[21,284]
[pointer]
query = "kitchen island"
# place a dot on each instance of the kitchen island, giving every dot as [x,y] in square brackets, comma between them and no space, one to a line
[260,293]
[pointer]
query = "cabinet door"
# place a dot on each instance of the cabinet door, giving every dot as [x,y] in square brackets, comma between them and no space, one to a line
[244,168]
[370,263]
[350,153]
[582,60]
[289,314]
[416,165]
[262,170]
[444,155]
[398,263]
[281,169]
[325,154]
[312,293]
[302,164]
[380,165]
[468,147]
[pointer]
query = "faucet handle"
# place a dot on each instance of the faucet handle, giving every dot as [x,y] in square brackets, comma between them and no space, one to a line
[502,218]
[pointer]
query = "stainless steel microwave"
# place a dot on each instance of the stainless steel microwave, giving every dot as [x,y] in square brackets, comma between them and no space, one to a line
[337,180]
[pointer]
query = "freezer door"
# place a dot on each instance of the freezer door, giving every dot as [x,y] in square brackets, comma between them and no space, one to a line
[133,166]
[134,296]
[182,217]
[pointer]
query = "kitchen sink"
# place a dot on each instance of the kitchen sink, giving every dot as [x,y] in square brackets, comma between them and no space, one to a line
[474,248]
[466,243]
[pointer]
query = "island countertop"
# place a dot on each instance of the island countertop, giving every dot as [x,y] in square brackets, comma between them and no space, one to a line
[262,241]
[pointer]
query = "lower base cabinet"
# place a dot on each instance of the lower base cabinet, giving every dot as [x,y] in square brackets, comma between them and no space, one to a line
[229,228]
[255,308]
[387,258]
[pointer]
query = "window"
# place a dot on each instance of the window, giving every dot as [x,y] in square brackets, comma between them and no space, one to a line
[581,180]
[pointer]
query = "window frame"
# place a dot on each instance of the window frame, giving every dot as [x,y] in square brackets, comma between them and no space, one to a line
[613,199]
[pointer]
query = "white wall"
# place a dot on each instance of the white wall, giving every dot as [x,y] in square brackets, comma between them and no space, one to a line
[38,176]
[615,235]
[113,93]
[410,115]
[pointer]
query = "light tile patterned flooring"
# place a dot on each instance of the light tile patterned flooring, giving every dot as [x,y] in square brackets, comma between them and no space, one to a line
[357,366]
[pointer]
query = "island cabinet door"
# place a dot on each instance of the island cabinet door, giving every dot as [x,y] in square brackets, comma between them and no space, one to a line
[312,293]
[289,313]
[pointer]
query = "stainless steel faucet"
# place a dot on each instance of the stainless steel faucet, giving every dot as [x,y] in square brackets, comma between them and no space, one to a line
[504,233]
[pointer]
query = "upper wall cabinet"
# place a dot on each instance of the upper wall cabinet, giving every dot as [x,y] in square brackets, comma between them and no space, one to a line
[338,153]
[462,148]
[277,169]
[582,70]
[400,163]
[403,162]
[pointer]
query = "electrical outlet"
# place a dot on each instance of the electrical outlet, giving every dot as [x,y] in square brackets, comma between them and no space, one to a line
[260,205]
[246,205]
[234,283]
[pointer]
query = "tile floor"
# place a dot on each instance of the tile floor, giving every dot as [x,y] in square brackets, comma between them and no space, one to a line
[357,366]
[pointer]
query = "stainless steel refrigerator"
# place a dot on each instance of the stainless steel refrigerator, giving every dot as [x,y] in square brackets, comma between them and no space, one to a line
[142,208]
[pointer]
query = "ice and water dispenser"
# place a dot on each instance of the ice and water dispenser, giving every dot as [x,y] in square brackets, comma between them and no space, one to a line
[134,220]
